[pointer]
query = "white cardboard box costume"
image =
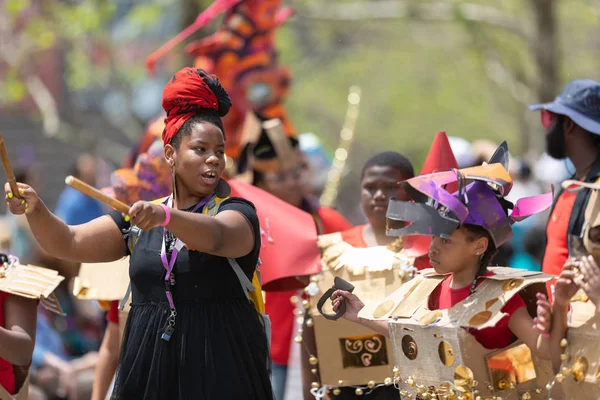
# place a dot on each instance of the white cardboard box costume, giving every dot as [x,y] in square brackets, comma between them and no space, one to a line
[434,352]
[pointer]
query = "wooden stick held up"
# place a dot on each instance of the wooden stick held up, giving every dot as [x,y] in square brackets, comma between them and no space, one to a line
[96,194]
[10,175]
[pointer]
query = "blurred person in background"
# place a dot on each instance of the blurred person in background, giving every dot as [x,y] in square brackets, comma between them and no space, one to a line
[66,350]
[265,168]
[524,185]
[463,151]
[572,122]
[148,179]
[531,255]
[74,207]
[317,163]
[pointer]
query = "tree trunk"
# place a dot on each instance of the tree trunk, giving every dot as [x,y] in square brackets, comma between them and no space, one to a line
[545,48]
[190,9]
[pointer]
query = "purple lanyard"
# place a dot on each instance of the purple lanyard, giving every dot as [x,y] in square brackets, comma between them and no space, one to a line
[169,264]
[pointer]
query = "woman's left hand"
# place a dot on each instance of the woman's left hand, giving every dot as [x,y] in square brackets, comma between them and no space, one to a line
[146,215]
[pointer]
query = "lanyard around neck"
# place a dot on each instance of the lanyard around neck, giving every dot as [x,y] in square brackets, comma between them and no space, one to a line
[168,264]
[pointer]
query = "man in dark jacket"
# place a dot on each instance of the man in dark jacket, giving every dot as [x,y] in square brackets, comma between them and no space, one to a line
[572,121]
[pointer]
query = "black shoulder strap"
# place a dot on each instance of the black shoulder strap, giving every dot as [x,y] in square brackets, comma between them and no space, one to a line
[577,217]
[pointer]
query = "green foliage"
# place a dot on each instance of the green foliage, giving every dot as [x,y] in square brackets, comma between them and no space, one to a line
[82,32]
[12,89]
[15,7]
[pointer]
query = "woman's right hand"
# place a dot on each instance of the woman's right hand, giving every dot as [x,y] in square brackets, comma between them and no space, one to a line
[27,203]
[353,304]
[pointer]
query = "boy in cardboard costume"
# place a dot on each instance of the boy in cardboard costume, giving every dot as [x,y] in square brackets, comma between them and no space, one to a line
[376,264]
[20,287]
[452,328]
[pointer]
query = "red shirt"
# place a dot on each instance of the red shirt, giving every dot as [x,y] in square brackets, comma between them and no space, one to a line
[277,304]
[113,312]
[557,250]
[495,337]
[7,375]
[354,236]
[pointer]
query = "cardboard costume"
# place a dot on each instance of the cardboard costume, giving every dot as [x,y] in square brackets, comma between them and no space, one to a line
[30,282]
[434,351]
[434,348]
[350,354]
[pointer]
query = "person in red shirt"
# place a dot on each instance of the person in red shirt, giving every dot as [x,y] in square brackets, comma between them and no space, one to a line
[268,167]
[572,122]
[462,248]
[380,179]
[17,337]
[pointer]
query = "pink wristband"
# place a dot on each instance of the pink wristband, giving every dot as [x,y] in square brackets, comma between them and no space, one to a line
[167,215]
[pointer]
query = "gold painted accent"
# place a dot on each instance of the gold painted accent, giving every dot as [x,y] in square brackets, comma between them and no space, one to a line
[490,303]
[383,308]
[409,347]
[480,318]
[430,318]
[512,284]
[463,379]
[446,353]
[313,360]
[580,369]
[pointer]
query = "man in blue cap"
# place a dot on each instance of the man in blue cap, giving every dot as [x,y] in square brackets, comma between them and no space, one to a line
[572,122]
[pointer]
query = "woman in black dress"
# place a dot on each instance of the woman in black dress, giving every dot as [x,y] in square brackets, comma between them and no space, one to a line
[191,333]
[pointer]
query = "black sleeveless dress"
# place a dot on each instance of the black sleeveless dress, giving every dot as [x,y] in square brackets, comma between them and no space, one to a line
[218,350]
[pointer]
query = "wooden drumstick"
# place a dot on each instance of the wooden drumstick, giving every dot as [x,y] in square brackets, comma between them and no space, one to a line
[10,175]
[96,194]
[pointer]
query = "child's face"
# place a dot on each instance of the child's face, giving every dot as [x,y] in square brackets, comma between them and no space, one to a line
[379,185]
[456,253]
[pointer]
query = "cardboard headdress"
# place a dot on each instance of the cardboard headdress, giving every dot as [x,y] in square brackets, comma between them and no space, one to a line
[267,148]
[479,201]
[30,281]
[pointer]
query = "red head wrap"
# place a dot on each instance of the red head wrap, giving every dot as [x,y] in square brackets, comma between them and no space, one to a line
[191,90]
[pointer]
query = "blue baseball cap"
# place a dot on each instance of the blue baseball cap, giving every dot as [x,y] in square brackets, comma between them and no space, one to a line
[580,101]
